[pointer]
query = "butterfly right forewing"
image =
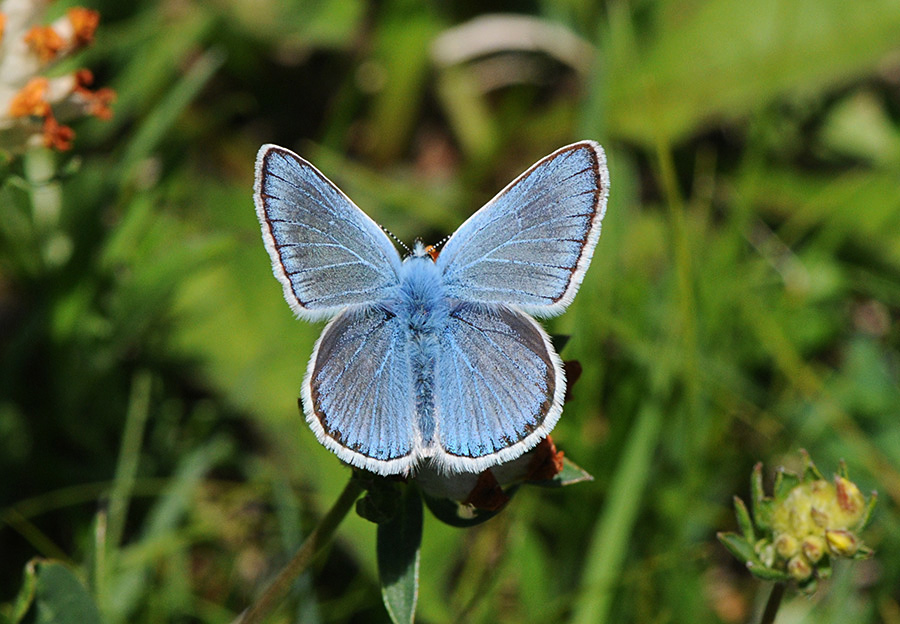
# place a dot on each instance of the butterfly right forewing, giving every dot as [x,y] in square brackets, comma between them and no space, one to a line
[531,245]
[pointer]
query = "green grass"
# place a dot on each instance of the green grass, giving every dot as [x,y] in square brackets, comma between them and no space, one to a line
[743,302]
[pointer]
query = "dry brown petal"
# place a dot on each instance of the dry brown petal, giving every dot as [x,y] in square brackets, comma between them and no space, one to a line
[546,462]
[487,493]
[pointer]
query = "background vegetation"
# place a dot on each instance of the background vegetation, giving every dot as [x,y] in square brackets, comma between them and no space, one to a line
[742,303]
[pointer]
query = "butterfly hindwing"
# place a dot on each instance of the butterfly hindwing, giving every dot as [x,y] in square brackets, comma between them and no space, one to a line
[325,251]
[531,244]
[499,386]
[358,391]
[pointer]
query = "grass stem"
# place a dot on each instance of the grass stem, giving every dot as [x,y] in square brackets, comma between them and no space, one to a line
[320,536]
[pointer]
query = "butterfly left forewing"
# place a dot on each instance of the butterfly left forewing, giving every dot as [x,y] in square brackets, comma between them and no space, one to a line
[325,251]
[499,387]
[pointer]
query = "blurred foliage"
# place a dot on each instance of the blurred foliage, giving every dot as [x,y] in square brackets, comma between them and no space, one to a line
[743,300]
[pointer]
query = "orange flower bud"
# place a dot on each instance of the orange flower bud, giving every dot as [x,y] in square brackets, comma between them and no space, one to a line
[45,42]
[29,101]
[56,135]
[84,23]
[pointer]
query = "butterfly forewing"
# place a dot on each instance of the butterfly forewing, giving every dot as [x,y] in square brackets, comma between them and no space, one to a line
[358,393]
[325,251]
[532,243]
[499,386]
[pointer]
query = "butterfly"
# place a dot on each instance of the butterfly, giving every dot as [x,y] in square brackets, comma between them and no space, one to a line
[430,359]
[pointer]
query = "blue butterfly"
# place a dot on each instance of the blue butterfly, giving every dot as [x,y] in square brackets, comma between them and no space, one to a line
[433,359]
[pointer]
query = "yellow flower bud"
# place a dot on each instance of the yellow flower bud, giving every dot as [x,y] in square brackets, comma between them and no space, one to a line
[851,502]
[842,542]
[786,545]
[814,547]
[799,568]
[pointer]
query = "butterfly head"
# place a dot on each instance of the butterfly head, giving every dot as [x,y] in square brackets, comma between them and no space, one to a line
[421,250]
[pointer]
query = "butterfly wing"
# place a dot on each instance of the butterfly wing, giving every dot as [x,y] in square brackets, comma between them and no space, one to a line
[499,386]
[531,244]
[325,251]
[358,391]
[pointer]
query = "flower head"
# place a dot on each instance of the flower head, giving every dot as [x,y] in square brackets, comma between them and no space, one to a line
[797,532]
[33,106]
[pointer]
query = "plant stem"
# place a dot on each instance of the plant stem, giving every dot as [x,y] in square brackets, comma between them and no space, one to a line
[773,603]
[320,536]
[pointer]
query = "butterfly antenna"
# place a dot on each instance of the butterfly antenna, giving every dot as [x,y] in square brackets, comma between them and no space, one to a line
[395,239]
[441,242]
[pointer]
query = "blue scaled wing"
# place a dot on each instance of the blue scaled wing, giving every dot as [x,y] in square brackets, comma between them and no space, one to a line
[325,251]
[531,244]
[499,387]
[358,391]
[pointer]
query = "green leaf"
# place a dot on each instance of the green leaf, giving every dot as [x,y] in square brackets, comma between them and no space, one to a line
[743,55]
[810,472]
[382,501]
[739,547]
[59,596]
[867,516]
[761,505]
[606,553]
[768,574]
[397,549]
[26,594]
[744,521]
[785,481]
[571,473]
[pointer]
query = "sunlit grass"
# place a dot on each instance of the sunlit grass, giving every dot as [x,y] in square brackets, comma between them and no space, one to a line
[742,302]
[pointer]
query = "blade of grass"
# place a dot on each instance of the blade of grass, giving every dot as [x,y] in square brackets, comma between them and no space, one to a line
[320,536]
[160,121]
[129,453]
[606,553]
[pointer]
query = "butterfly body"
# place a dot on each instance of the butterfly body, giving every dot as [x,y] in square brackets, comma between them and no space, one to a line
[423,309]
[424,359]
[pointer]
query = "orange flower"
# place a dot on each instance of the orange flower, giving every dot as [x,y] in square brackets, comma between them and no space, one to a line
[45,42]
[56,135]
[30,99]
[84,23]
[99,101]
[2,25]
